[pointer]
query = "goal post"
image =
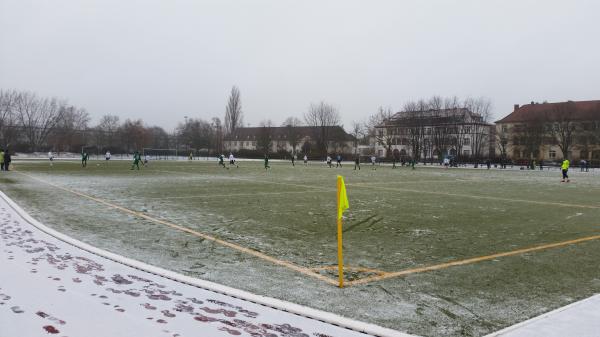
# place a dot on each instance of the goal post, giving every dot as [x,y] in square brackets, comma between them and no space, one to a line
[91,150]
[160,154]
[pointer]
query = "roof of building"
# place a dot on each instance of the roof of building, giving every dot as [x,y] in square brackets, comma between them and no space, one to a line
[579,111]
[433,117]
[281,133]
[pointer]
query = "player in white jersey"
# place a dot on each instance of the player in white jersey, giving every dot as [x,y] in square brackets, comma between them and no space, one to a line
[232,160]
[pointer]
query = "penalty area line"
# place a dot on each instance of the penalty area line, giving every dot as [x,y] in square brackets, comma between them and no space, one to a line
[286,264]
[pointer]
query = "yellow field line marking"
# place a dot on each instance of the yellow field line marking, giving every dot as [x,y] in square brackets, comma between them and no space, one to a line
[472,196]
[471,260]
[289,265]
[358,269]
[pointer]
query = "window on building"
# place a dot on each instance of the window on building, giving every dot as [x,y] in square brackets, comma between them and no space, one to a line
[504,128]
[552,154]
[467,141]
[467,129]
[516,153]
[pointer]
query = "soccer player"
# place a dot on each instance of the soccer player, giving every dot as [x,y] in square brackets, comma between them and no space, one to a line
[50,157]
[1,160]
[84,159]
[565,170]
[221,161]
[136,160]
[232,160]
[7,160]
[267,162]
[107,155]
[329,161]
[357,163]
[587,166]
[293,160]
[305,160]
[191,156]
[373,160]
[338,161]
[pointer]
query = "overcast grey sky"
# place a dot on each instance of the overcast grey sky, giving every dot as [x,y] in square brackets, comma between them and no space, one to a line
[163,60]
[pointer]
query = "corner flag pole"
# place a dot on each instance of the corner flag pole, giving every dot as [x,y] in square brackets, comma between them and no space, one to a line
[342,204]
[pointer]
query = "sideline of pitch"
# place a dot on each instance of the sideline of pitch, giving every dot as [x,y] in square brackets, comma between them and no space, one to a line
[301,310]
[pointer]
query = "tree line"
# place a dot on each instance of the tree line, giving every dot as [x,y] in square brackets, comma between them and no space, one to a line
[30,123]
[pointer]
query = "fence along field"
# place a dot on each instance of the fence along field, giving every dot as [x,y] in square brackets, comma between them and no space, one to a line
[478,241]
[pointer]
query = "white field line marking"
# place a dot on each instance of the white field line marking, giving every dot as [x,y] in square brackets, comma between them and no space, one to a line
[289,265]
[399,189]
[219,195]
[254,180]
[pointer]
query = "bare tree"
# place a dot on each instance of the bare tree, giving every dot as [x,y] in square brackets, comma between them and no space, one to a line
[440,136]
[107,127]
[195,133]
[322,117]
[217,129]
[158,138]
[481,109]
[264,141]
[532,136]
[359,130]
[291,125]
[415,112]
[133,135]
[8,100]
[37,117]
[70,129]
[563,129]
[383,135]
[502,138]
[233,111]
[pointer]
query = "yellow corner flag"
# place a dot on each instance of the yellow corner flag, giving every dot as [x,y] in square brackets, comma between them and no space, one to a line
[342,197]
[342,205]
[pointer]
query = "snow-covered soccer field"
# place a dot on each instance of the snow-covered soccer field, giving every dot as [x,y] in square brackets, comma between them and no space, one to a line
[428,251]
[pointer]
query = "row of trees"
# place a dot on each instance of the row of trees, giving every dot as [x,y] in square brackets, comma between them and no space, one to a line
[32,123]
[430,126]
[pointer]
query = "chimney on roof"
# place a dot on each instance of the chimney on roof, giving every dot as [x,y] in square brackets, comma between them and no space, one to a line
[516,107]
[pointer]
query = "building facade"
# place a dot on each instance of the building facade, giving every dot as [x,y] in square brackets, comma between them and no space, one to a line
[299,140]
[434,134]
[551,132]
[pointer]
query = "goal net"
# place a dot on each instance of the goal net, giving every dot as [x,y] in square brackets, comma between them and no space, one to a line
[161,154]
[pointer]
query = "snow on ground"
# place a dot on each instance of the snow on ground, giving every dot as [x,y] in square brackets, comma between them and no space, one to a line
[580,319]
[48,286]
